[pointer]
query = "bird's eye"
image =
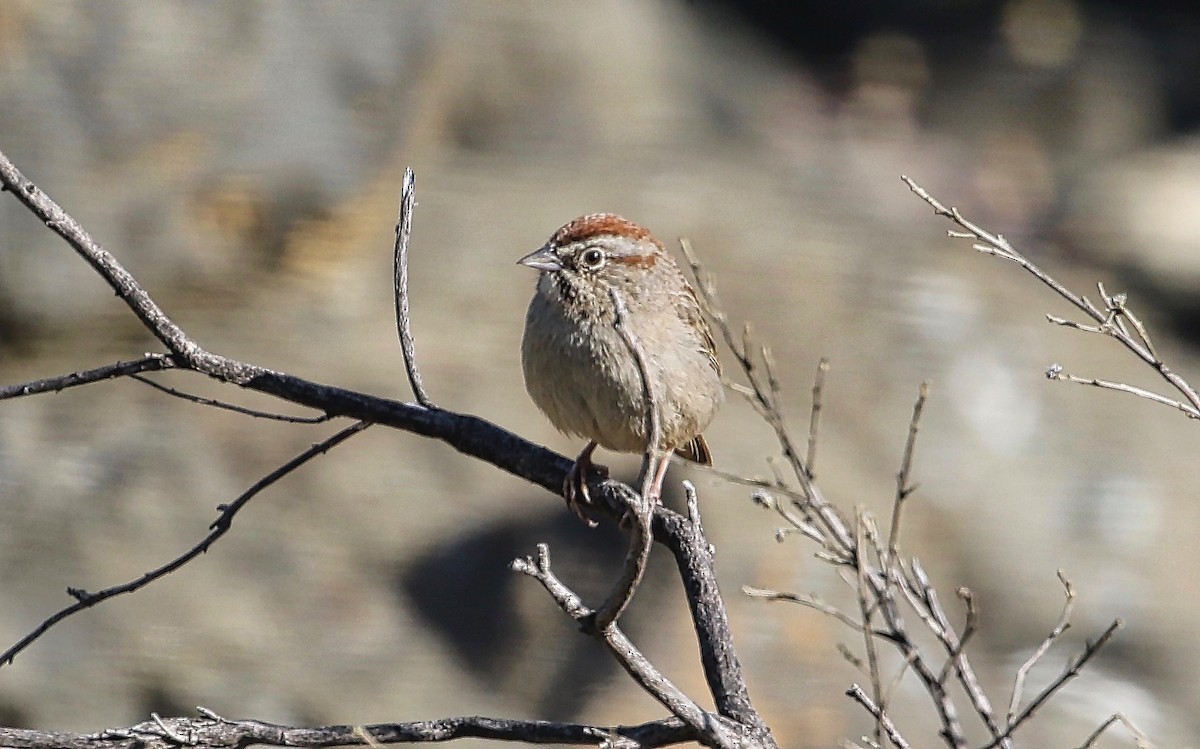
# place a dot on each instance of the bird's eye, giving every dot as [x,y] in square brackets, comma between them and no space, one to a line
[592,258]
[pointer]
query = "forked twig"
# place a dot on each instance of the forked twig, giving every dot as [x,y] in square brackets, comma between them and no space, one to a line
[630,658]
[1140,738]
[1070,672]
[1061,626]
[1109,320]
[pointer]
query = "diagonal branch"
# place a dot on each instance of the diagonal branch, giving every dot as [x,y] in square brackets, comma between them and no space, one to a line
[1074,667]
[631,659]
[121,281]
[218,528]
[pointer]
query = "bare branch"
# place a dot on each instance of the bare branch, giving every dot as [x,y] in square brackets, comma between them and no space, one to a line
[216,732]
[630,658]
[218,528]
[866,609]
[148,363]
[760,396]
[856,693]
[1055,372]
[1140,739]
[811,601]
[814,419]
[191,398]
[188,353]
[400,288]
[1063,624]
[736,722]
[903,489]
[1108,318]
[1072,670]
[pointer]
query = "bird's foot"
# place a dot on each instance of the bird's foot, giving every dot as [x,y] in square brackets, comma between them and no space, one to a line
[575,484]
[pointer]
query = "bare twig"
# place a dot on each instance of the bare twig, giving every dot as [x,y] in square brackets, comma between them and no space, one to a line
[856,693]
[903,489]
[640,541]
[1140,739]
[400,288]
[148,363]
[1108,319]
[924,599]
[841,546]
[814,419]
[1055,372]
[1072,670]
[969,627]
[866,609]
[191,398]
[1062,625]
[652,426]
[630,658]
[760,395]
[812,602]
[218,528]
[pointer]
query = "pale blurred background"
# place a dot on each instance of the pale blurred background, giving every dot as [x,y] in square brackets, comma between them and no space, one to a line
[243,159]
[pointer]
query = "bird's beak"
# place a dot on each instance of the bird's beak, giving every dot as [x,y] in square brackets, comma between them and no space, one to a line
[542,259]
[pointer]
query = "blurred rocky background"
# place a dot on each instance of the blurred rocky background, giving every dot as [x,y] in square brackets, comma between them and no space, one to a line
[243,159]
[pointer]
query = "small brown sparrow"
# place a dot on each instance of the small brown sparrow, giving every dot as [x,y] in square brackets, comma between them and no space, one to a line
[582,373]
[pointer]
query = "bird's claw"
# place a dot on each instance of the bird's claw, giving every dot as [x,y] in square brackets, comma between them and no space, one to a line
[575,487]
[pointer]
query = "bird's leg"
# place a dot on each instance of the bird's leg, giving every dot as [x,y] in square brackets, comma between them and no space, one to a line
[660,473]
[575,483]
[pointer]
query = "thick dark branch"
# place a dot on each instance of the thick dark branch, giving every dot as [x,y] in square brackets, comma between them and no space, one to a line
[722,670]
[213,732]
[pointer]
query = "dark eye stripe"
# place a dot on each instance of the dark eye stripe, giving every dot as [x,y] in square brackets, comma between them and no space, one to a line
[637,261]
